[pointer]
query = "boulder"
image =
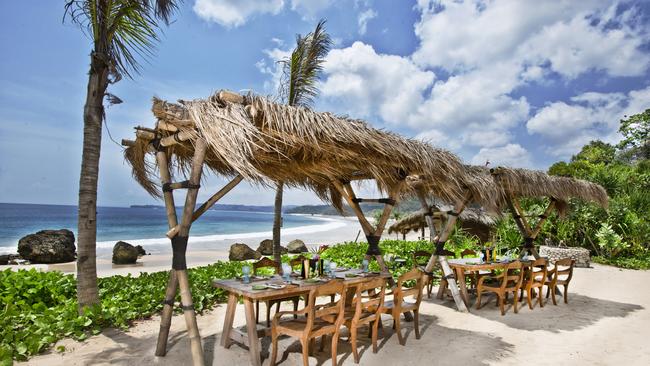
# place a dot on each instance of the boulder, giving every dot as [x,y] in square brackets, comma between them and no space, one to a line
[48,246]
[124,253]
[297,246]
[242,252]
[140,250]
[266,247]
[4,259]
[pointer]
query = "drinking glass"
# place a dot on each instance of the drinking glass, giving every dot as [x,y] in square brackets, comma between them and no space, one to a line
[246,271]
[332,269]
[326,267]
[364,263]
[286,272]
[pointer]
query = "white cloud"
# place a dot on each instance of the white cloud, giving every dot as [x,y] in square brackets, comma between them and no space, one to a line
[513,155]
[365,83]
[233,13]
[364,18]
[309,8]
[270,66]
[566,126]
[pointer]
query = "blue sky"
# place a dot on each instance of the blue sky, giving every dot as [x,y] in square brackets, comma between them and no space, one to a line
[521,83]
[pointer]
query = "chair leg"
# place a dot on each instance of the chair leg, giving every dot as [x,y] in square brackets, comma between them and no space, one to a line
[566,298]
[335,342]
[540,300]
[305,352]
[478,299]
[312,342]
[416,323]
[268,313]
[529,294]
[375,330]
[398,330]
[501,305]
[257,312]
[516,302]
[353,343]
[553,295]
[274,347]
[295,306]
[323,339]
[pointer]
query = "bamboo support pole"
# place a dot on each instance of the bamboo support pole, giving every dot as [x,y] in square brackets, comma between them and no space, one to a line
[207,204]
[162,125]
[543,218]
[176,138]
[365,225]
[441,259]
[230,96]
[147,135]
[200,148]
[127,143]
[172,285]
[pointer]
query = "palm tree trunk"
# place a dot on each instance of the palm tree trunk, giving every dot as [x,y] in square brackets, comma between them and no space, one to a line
[277,222]
[87,292]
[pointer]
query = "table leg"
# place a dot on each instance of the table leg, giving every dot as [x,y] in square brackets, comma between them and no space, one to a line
[227,323]
[251,329]
[460,276]
[442,288]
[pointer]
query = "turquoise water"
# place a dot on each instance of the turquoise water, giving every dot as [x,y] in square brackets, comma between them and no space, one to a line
[123,223]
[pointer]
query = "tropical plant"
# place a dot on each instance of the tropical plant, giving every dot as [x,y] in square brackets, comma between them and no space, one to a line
[636,135]
[121,32]
[298,87]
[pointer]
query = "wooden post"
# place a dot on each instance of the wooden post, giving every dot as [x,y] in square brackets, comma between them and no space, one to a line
[172,284]
[441,259]
[180,246]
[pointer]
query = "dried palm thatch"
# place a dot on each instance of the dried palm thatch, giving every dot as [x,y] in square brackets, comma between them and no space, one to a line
[416,220]
[267,142]
[531,183]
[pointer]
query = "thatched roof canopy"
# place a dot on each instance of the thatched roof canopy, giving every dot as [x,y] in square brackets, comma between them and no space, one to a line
[267,142]
[416,220]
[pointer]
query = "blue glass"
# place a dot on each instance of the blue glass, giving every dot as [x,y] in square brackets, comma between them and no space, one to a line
[365,265]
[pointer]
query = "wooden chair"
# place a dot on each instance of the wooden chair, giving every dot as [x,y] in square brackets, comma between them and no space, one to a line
[419,263]
[399,306]
[269,263]
[467,252]
[308,328]
[563,267]
[508,281]
[535,278]
[366,305]
[448,253]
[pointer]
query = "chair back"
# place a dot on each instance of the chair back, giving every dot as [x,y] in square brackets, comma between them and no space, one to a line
[513,275]
[369,296]
[401,292]
[266,263]
[334,309]
[296,261]
[564,267]
[417,258]
[538,271]
[467,252]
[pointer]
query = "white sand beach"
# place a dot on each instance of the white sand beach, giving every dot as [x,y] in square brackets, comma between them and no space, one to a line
[601,325]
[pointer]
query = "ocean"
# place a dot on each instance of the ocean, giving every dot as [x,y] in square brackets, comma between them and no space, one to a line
[147,225]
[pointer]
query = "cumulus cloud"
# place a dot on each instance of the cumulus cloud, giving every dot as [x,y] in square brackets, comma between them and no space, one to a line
[365,83]
[566,126]
[233,13]
[364,18]
[513,155]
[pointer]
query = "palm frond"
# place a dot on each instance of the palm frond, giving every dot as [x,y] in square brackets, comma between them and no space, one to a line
[302,70]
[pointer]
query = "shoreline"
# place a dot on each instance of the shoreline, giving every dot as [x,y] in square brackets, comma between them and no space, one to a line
[201,252]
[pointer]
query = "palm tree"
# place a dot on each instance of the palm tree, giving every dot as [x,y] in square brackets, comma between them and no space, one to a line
[298,87]
[121,31]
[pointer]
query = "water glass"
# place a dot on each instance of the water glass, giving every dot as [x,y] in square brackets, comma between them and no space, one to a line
[332,269]
[246,271]
[364,263]
[326,266]
[286,272]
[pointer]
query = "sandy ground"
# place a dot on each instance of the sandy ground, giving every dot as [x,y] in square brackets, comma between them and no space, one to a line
[607,322]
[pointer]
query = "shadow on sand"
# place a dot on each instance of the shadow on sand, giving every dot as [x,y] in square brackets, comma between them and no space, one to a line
[581,311]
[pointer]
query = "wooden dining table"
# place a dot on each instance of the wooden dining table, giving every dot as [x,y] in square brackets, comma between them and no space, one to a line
[469,265]
[236,289]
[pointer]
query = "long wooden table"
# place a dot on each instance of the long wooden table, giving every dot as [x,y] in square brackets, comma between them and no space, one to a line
[465,265]
[237,288]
